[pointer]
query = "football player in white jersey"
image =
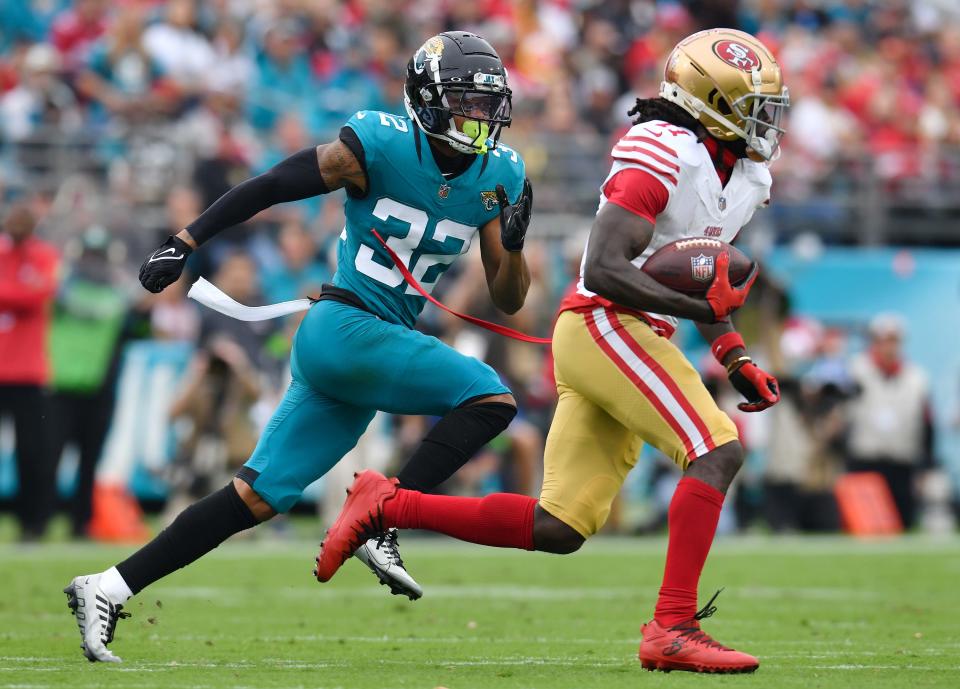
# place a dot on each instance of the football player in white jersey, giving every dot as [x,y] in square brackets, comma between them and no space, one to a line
[693,165]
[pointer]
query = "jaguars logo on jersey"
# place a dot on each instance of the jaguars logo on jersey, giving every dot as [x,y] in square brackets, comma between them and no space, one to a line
[488,199]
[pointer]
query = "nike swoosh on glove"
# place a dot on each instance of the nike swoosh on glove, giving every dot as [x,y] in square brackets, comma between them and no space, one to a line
[515,219]
[165,265]
[759,388]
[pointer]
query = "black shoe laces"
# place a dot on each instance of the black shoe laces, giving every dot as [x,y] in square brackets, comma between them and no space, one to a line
[116,613]
[364,530]
[387,543]
[691,629]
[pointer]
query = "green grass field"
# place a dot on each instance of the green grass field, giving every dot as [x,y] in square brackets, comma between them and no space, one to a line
[818,613]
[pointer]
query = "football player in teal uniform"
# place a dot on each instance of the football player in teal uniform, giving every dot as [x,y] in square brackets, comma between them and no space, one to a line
[429,184]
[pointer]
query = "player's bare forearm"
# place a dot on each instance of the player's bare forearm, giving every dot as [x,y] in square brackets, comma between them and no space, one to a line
[617,237]
[623,283]
[711,331]
[510,285]
[188,238]
[508,277]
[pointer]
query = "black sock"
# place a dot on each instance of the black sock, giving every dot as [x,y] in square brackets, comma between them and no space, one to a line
[454,440]
[195,532]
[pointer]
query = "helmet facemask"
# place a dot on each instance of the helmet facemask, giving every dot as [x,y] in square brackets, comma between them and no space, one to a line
[485,107]
[762,118]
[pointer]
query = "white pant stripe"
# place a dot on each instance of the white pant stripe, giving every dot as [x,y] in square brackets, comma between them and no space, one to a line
[652,381]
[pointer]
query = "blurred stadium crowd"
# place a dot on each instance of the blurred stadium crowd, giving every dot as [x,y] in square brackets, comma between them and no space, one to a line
[120,122]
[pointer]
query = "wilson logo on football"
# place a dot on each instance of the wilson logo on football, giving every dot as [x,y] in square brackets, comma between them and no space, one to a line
[737,55]
[701,268]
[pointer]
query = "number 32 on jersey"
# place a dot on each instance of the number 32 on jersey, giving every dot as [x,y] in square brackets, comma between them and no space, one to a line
[405,246]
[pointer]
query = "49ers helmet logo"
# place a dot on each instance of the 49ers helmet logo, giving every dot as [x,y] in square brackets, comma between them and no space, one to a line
[737,55]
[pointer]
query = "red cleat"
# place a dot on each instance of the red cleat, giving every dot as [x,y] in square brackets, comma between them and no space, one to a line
[687,647]
[360,518]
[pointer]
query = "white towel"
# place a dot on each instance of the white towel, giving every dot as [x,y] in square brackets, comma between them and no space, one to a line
[211,296]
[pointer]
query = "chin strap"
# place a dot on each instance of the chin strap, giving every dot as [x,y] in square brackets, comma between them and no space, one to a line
[493,327]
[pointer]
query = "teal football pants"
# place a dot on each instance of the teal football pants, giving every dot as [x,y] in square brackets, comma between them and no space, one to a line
[347,364]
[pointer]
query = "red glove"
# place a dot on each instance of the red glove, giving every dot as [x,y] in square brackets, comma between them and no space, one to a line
[724,298]
[758,386]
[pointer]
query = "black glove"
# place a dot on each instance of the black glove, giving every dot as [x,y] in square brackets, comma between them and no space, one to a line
[164,266]
[515,219]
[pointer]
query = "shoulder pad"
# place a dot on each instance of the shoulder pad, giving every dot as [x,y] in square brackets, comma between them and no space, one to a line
[507,155]
[679,141]
[380,122]
[376,130]
[505,166]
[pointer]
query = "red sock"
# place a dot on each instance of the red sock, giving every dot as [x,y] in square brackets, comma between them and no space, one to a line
[503,520]
[694,513]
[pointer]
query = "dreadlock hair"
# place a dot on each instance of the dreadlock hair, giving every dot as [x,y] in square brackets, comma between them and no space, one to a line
[647,109]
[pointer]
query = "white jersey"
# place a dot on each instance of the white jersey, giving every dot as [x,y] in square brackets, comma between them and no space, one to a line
[698,205]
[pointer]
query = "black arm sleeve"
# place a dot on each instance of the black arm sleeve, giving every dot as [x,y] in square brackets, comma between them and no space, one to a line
[297,177]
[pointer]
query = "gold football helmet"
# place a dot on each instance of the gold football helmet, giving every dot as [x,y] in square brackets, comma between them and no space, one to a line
[732,84]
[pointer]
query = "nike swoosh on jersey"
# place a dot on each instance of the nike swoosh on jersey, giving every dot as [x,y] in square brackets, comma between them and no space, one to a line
[158,257]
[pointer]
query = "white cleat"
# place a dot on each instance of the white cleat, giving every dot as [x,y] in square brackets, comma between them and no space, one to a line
[96,617]
[382,555]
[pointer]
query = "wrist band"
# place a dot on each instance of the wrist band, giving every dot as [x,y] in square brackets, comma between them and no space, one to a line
[738,363]
[726,343]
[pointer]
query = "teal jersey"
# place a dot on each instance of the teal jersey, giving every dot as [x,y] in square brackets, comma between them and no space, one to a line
[427,220]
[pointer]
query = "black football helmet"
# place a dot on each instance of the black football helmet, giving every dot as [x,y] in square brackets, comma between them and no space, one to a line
[457,73]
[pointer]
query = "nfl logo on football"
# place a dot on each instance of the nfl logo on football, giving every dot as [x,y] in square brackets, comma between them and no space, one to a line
[701,268]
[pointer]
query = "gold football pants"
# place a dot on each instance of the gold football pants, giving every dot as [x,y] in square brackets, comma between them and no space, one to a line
[620,385]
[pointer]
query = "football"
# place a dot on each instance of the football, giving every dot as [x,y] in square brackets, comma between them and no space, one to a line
[687,265]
